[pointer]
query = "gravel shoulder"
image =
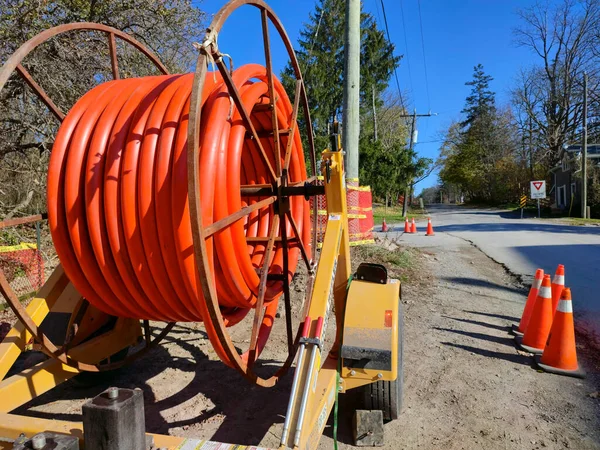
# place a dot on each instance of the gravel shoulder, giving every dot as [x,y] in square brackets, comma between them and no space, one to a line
[466,386]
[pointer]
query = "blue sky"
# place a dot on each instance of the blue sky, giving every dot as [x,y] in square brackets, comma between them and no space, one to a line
[458,34]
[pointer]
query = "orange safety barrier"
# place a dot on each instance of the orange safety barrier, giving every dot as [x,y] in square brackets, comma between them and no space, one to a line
[533,292]
[360,213]
[558,283]
[429,228]
[540,323]
[118,204]
[560,353]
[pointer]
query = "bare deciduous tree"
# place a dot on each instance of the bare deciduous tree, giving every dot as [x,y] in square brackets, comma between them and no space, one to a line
[69,65]
[548,97]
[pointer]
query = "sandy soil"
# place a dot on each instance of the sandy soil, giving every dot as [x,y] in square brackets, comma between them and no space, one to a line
[466,386]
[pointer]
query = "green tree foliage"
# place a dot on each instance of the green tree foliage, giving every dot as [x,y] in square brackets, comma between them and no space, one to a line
[479,154]
[69,65]
[388,165]
[320,52]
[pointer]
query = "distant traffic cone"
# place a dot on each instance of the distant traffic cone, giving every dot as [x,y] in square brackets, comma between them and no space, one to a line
[558,283]
[429,228]
[384,226]
[533,292]
[538,328]
[560,354]
[413,228]
[406,226]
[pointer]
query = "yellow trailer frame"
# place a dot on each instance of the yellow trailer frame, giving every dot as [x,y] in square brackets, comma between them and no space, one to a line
[366,317]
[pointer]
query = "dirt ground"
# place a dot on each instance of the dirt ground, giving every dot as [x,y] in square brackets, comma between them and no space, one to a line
[466,386]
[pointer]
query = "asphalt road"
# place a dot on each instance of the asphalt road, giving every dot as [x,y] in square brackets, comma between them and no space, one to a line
[522,246]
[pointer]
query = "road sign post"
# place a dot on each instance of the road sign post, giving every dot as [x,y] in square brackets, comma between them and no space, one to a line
[522,203]
[538,190]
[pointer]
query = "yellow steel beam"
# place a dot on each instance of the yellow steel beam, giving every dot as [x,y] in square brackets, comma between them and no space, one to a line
[11,427]
[17,338]
[23,387]
[320,405]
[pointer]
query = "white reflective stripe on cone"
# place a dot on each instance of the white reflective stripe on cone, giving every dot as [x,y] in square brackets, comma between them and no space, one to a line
[537,283]
[565,306]
[545,292]
[558,279]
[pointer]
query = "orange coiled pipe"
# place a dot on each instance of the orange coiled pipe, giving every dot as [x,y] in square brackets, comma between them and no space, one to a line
[118,202]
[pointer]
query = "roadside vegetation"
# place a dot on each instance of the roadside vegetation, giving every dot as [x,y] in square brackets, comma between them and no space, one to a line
[490,153]
[394,214]
[387,163]
[403,263]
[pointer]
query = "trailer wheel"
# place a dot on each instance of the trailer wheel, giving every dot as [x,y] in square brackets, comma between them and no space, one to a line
[386,396]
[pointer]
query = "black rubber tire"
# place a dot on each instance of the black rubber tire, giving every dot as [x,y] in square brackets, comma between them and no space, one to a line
[386,396]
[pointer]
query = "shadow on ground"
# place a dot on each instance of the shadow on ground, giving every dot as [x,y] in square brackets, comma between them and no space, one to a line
[247,411]
[483,284]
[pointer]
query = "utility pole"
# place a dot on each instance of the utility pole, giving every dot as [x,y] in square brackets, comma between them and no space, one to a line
[414,116]
[584,150]
[350,118]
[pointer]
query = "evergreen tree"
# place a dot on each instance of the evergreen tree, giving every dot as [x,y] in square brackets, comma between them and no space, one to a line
[482,101]
[320,53]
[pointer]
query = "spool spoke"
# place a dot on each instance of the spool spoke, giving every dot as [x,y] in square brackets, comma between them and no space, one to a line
[267,45]
[147,332]
[290,142]
[40,92]
[258,310]
[74,321]
[235,95]
[300,242]
[112,45]
[226,221]
[286,282]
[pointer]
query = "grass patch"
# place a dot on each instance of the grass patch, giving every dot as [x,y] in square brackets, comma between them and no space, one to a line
[394,214]
[578,221]
[401,263]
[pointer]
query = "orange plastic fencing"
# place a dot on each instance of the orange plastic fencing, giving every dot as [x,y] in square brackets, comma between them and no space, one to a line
[23,267]
[360,213]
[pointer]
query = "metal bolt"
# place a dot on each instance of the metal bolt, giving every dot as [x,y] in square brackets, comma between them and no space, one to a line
[112,393]
[38,441]
[380,376]
[352,373]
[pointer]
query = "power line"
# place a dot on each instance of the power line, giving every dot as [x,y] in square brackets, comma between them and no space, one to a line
[406,49]
[395,69]
[424,58]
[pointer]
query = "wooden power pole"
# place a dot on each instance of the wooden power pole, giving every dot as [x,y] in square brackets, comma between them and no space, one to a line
[350,118]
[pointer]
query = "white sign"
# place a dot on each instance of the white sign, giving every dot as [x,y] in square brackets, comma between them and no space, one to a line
[538,189]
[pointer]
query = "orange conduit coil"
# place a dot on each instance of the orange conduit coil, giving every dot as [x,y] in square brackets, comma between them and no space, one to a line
[118,202]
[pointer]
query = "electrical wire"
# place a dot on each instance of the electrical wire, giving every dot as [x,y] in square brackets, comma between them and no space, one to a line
[395,69]
[424,57]
[406,47]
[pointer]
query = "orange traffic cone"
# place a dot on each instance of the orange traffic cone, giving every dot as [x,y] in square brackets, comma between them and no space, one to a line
[560,355]
[384,226]
[413,228]
[558,283]
[533,292]
[429,228]
[406,226]
[538,328]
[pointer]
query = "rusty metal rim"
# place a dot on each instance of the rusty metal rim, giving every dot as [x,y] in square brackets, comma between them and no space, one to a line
[199,232]
[12,64]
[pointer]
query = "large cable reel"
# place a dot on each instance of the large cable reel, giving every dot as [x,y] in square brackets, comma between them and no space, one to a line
[277,199]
